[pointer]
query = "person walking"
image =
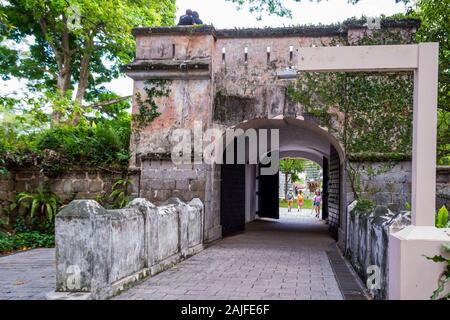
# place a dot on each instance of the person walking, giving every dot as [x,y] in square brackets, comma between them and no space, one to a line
[317,201]
[289,198]
[187,19]
[300,200]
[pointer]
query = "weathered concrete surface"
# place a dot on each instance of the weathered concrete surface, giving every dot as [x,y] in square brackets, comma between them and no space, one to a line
[212,80]
[100,252]
[368,242]
[382,182]
[283,259]
[27,275]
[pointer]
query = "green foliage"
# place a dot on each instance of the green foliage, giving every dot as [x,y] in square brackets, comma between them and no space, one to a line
[148,108]
[25,240]
[408,206]
[96,145]
[445,276]
[435,27]
[119,194]
[442,220]
[101,141]
[374,112]
[291,167]
[363,206]
[307,204]
[77,45]
[42,203]
[272,7]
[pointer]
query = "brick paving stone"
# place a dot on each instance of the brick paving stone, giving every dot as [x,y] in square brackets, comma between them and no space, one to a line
[272,260]
[27,275]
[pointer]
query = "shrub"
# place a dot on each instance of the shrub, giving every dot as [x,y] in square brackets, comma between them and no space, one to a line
[25,240]
[442,220]
[42,203]
[363,206]
[101,144]
[444,277]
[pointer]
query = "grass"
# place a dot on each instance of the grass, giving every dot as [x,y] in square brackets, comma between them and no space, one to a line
[306,205]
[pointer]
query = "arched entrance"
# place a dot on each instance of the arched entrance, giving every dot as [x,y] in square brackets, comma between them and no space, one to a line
[246,194]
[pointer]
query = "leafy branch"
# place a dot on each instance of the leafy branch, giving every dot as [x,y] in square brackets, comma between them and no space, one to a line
[148,107]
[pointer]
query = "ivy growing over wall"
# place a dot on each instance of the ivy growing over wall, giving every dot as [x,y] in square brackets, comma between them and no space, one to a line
[371,113]
[148,108]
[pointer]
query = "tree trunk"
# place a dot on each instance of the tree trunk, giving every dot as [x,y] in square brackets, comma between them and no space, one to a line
[84,71]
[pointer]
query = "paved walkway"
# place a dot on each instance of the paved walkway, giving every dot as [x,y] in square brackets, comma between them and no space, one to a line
[283,259]
[27,275]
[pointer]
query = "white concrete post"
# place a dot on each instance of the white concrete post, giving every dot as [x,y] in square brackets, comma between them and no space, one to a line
[411,276]
[424,135]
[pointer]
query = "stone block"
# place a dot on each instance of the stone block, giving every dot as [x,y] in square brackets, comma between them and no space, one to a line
[127,243]
[95,186]
[197,185]
[79,175]
[78,267]
[3,195]
[182,185]
[67,186]
[80,186]
[24,175]
[6,185]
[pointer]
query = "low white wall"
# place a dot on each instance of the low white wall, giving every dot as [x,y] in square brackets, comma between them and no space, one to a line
[99,252]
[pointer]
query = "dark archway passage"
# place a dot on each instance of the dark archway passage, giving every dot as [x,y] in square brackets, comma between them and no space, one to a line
[247,195]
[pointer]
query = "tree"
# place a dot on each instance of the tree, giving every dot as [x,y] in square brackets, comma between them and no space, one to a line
[277,7]
[76,45]
[291,167]
[435,27]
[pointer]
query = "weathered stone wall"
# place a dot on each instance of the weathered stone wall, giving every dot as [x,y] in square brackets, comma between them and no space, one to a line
[162,179]
[75,183]
[384,183]
[443,187]
[368,243]
[212,80]
[100,252]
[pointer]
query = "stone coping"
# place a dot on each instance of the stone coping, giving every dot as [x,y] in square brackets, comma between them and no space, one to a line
[306,31]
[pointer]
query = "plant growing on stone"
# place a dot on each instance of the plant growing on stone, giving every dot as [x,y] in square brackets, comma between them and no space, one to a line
[442,220]
[119,194]
[291,167]
[363,206]
[148,108]
[444,279]
[41,204]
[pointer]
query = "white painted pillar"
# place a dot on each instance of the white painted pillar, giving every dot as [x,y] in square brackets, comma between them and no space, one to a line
[424,135]
[411,275]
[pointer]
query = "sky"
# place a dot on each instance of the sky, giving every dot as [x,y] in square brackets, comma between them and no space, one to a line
[224,14]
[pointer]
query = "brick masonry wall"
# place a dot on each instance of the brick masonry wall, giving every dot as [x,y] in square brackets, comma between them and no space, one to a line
[72,184]
[382,182]
[387,183]
[161,180]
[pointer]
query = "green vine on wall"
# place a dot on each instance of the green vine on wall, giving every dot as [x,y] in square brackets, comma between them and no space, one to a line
[148,107]
[371,113]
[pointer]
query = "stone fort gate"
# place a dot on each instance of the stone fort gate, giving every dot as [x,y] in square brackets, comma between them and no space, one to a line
[240,79]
